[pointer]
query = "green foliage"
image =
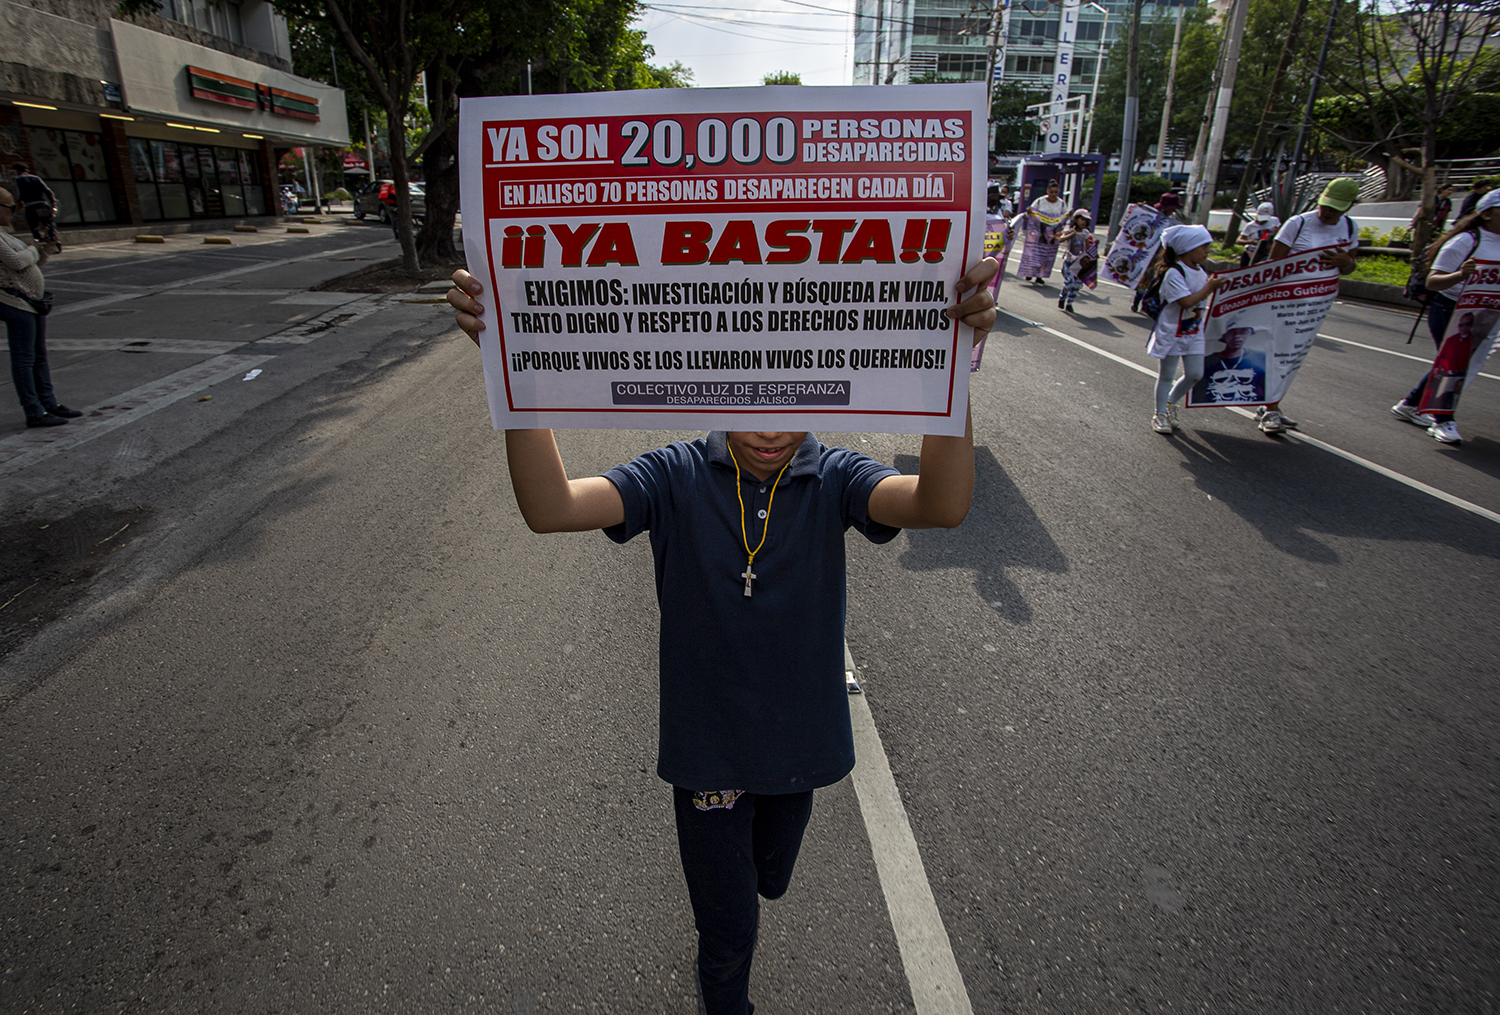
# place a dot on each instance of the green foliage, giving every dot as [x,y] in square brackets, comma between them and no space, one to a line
[1145,188]
[1469,131]
[1195,60]
[1014,132]
[340,194]
[1383,268]
[782,77]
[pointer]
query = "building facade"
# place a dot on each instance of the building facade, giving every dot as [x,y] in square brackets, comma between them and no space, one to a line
[904,41]
[175,116]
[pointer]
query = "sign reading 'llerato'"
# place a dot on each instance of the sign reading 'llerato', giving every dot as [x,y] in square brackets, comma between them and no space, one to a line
[771,258]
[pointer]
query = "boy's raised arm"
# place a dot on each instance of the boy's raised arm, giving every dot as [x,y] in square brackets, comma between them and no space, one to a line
[549,500]
[940,494]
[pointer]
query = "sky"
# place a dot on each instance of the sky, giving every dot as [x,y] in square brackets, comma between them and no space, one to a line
[738,42]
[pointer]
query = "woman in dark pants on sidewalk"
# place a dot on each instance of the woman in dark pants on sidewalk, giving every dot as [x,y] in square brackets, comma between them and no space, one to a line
[26,330]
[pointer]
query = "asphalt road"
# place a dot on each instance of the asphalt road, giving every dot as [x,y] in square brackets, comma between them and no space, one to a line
[1199,723]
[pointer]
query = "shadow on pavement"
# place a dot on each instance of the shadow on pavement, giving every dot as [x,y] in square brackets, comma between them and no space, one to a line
[1293,493]
[1001,532]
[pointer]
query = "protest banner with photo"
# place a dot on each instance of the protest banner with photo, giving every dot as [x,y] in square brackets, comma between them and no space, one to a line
[999,236]
[1040,252]
[1134,246]
[1259,327]
[749,258]
[1467,342]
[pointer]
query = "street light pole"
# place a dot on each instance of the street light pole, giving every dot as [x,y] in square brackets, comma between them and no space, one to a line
[1166,109]
[1088,134]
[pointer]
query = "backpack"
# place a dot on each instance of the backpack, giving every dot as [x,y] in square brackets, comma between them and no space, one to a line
[1416,282]
[1151,302]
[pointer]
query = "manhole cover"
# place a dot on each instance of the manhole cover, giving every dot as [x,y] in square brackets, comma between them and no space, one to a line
[115,313]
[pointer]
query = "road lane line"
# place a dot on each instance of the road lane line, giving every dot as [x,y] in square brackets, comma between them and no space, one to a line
[1391,352]
[1381,470]
[181,346]
[937,986]
[31,446]
[74,308]
[351,312]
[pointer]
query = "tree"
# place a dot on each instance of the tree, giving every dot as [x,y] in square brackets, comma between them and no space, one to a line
[782,77]
[1415,68]
[1015,130]
[570,45]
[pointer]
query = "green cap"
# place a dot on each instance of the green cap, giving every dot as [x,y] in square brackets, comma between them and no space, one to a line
[1340,194]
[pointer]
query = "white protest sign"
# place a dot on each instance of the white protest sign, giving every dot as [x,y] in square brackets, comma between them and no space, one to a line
[751,259]
[1135,245]
[1260,326]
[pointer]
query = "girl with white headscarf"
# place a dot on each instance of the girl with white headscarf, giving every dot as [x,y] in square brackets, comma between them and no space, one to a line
[1178,335]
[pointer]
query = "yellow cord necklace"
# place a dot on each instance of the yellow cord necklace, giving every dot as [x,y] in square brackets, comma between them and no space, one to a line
[748,574]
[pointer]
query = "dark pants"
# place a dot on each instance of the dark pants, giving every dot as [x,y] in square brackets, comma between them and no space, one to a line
[27,333]
[729,856]
[1439,313]
[39,221]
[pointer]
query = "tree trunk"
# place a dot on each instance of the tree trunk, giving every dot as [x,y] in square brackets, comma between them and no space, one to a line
[401,180]
[1258,148]
[440,169]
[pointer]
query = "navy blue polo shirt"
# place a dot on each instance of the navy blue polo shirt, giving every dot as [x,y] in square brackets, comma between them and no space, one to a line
[752,688]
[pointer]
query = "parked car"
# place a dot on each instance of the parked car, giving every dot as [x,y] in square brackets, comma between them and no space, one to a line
[379,198]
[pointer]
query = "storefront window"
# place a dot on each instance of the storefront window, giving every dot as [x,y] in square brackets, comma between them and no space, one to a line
[72,163]
[178,181]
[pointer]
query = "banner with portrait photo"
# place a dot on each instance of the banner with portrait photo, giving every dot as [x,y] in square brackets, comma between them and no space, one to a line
[1040,252]
[774,258]
[1135,244]
[1468,340]
[1260,325]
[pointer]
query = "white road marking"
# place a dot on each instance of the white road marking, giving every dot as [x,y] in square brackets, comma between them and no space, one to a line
[181,346]
[937,986]
[1390,352]
[74,308]
[318,299]
[335,317]
[23,449]
[1414,484]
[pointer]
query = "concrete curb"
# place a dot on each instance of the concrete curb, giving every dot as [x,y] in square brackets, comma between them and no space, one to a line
[1376,292]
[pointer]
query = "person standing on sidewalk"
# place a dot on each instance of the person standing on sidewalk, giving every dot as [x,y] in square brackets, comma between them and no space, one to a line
[1330,229]
[21,296]
[40,205]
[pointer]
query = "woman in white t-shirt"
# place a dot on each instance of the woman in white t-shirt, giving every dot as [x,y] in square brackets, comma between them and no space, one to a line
[1472,239]
[1178,335]
[1257,234]
[1327,226]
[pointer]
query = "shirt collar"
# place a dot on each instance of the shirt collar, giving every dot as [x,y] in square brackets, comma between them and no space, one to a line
[804,462]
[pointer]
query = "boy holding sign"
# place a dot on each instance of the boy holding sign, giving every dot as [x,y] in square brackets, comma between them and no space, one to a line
[747,532]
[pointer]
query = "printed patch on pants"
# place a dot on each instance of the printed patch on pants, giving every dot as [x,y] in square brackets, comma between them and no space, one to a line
[716,799]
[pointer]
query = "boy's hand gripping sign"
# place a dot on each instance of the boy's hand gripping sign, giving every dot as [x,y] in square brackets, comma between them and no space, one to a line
[749,259]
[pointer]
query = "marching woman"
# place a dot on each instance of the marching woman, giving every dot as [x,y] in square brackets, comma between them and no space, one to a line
[1080,257]
[1178,335]
[1474,238]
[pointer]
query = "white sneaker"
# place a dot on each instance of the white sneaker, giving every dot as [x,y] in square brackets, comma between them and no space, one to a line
[1172,416]
[1445,431]
[1271,422]
[1407,411]
[1287,422]
[1161,423]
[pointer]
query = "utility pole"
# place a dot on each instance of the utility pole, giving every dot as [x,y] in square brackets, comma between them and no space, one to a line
[999,33]
[879,28]
[1288,183]
[1195,176]
[1166,111]
[1127,132]
[1210,178]
[369,147]
[1258,148]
